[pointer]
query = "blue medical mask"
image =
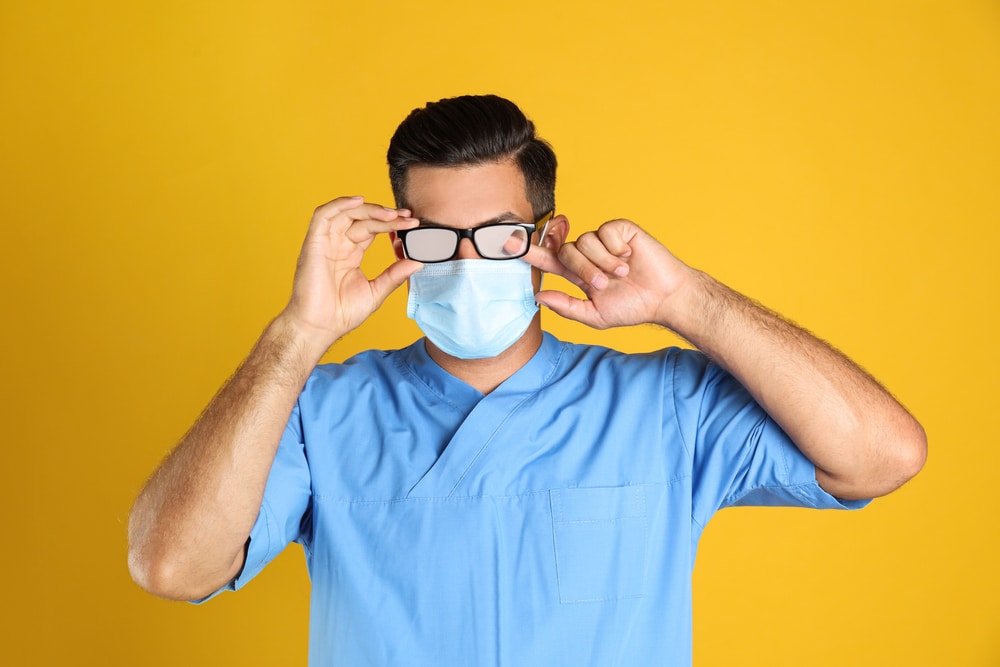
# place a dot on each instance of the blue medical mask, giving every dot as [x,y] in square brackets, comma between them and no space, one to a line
[472,308]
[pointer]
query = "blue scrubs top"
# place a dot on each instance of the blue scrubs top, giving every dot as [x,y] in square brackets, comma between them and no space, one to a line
[553,521]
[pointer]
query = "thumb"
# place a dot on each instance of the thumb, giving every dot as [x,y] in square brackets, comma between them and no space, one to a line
[578,310]
[395,275]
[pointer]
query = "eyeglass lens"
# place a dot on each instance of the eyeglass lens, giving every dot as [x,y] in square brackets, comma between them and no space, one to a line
[436,244]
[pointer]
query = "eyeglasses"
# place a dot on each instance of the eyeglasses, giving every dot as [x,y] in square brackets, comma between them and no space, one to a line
[498,240]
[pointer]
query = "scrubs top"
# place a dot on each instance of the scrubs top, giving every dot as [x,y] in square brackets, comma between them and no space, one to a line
[553,521]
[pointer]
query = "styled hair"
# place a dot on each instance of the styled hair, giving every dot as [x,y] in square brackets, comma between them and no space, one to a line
[473,130]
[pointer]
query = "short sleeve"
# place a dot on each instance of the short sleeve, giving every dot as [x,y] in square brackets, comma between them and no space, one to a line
[739,455]
[285,511]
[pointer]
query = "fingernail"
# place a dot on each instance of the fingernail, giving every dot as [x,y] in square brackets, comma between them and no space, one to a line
[622,270]
[600,281]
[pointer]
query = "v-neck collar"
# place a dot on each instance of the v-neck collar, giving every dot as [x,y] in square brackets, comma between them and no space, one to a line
[488,421]
[530,377]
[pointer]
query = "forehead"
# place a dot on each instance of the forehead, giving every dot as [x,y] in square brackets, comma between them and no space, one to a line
[466,195]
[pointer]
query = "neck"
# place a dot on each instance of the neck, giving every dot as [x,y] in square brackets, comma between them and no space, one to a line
[486,375]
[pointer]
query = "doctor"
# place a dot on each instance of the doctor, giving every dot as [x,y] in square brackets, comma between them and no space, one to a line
[489,494]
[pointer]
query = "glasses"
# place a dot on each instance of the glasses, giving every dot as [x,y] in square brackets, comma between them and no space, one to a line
[497,240]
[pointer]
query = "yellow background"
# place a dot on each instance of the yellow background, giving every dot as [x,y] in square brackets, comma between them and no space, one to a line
[839,161]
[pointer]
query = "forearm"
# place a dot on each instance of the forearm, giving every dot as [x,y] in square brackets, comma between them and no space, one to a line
[862,441]
[189,526]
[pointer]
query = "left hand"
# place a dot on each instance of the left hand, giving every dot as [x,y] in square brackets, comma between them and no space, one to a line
[627,276]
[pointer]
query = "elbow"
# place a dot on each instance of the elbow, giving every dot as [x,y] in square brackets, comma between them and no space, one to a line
[903,455]
[161,575]
[149,570]
[885,463]
[160,568]
[171,580]
[149,561]
[909,452]
[152,575]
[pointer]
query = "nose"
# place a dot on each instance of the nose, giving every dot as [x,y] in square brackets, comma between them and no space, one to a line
[466,250]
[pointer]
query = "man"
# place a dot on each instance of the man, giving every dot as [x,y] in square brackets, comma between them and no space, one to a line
[490,495]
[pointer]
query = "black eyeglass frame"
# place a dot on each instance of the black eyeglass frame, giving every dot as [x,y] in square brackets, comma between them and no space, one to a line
[470,233]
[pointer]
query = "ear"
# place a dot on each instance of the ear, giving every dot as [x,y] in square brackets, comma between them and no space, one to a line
[397,245]
[556,233]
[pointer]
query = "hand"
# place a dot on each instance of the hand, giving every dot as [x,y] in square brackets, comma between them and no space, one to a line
[331,296]
[628,277]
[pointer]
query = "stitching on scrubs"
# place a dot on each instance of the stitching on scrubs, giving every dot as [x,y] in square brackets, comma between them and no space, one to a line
[481,496]
[673,403]
[782,456]
[596,521]
[755,435]
[605,599]
[635,501]
[544,382]
[791,488]
[400,363]
[252,570]
[434,499]
[502,546]
[671,358]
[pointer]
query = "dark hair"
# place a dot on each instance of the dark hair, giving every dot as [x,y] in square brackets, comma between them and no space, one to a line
[472,130]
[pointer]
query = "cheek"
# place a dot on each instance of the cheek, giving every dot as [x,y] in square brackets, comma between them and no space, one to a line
[397,246]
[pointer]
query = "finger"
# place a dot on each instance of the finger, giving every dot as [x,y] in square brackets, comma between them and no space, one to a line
[343,211]
[548,262]
[358,222]
[366,212]
[341,204]
[597,253]
[363,230]
[578,263]
[394,275]
[579,310]
[617,235]
[324,213]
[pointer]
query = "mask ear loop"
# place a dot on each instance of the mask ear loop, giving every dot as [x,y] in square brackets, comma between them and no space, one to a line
[541,239]
[545,228]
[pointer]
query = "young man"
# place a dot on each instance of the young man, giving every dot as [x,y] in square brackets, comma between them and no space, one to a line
[490,495]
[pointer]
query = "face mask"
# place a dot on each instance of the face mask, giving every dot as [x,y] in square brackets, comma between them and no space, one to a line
[472,308]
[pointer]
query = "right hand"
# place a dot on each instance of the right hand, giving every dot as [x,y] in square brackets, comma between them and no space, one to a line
[331,296]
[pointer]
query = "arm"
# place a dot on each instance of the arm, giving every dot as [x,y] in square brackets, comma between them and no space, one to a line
[862,442]
[189,526]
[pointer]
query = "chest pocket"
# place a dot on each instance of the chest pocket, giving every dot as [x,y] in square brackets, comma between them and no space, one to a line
[600,542]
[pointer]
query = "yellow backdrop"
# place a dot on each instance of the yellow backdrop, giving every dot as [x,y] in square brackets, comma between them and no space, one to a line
[839,161]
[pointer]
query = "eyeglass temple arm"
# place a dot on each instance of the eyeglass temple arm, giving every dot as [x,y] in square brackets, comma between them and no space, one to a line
[545,227]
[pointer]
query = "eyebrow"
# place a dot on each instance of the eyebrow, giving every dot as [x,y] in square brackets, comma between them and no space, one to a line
[506,216]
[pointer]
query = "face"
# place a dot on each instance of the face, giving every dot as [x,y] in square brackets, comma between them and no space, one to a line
[464,197]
